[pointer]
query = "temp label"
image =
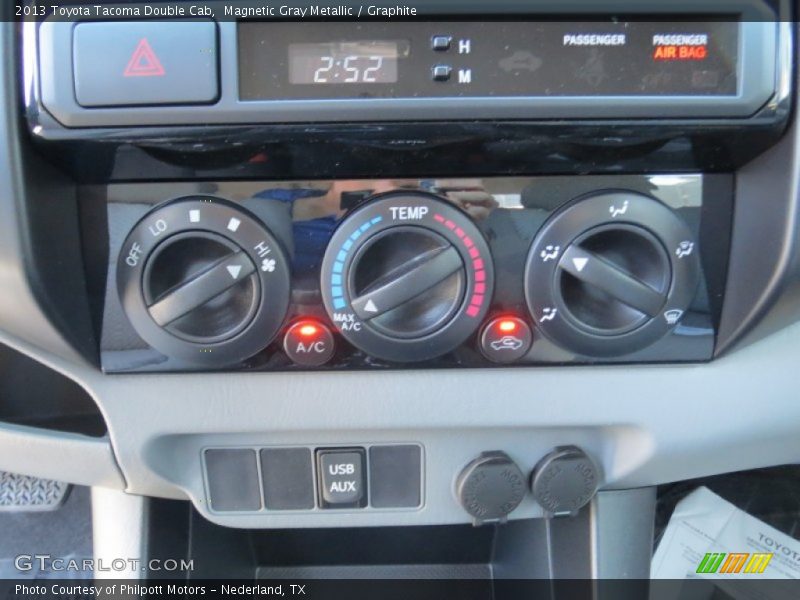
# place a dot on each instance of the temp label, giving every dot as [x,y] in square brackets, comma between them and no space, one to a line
[408,213]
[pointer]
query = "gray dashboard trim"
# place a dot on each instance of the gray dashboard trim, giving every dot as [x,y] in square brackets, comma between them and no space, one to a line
[758,49]
[61,456]
[33,256]
[25,309]
[763,285]
[612,538]
[119,529]
[645,425]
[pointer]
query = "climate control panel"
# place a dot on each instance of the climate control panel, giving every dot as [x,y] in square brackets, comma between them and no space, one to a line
[426,273]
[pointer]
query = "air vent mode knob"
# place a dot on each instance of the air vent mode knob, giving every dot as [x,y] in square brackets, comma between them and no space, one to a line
[611,274]
[613,278]
[203,280]
[407,277]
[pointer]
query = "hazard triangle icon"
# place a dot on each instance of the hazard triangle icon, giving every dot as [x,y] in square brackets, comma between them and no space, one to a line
[144,62]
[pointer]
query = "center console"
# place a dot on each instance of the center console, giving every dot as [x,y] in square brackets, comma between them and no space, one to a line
[434,272]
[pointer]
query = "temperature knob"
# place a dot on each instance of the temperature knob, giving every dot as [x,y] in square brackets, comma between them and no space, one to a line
[204,281]
[407,277]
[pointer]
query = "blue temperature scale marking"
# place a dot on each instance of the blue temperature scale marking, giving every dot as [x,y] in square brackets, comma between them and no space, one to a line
[338,267]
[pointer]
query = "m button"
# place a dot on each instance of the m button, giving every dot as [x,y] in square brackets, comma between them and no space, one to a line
[341,477]
[145,63]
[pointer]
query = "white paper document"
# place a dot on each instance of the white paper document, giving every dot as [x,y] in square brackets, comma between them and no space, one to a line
[708,537]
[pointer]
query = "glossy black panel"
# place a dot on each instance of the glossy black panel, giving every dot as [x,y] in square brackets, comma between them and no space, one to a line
[480,148]
[507,211]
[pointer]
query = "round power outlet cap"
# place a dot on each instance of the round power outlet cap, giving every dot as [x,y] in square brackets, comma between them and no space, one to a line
[490,487]
[564,481]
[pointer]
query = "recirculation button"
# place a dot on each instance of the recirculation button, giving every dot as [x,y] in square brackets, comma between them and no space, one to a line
[506,339]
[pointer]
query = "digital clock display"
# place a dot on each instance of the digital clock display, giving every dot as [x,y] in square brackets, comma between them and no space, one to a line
[513,64]
[343,62]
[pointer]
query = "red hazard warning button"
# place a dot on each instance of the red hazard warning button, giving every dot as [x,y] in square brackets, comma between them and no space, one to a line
[145,63]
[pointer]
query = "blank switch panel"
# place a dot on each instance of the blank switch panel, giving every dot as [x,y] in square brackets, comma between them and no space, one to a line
[288,477]
[233,479]
[395,474]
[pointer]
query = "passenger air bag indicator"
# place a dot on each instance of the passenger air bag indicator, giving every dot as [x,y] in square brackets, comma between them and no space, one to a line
[680,53]
[680,46]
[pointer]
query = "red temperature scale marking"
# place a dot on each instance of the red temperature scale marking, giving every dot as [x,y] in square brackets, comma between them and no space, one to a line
[475,303]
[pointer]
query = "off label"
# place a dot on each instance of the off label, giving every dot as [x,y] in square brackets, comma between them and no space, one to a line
[134,254]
